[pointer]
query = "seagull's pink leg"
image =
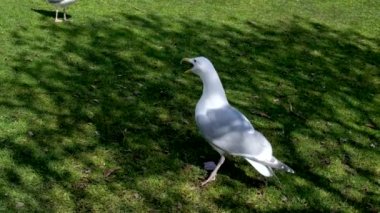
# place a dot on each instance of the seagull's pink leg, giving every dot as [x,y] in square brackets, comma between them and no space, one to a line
[212,176]
[56,16]
[64,14]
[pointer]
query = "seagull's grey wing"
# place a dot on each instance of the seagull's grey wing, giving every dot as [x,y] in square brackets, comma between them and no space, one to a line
[217,122]
[229,130]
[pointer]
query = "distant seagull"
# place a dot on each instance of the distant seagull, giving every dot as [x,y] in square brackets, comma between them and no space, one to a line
[61,4]
[227,130]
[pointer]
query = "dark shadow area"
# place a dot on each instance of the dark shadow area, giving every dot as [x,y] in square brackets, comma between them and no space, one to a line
[50,13]
[120,89]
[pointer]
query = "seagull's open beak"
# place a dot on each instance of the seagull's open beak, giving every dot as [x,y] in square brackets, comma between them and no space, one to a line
[189,61]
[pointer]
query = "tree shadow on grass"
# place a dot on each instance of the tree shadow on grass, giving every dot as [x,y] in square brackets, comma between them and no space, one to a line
[101,96]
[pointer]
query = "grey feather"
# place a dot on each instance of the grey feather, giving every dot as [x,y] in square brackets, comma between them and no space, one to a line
[230,131]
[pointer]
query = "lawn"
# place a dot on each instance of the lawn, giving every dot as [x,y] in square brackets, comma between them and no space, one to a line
[96,114]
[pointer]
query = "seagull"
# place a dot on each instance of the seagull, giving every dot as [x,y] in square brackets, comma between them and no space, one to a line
[61,4]
[226,129]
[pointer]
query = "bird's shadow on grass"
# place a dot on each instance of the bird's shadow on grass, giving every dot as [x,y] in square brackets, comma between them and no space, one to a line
[50,13]
[104,96]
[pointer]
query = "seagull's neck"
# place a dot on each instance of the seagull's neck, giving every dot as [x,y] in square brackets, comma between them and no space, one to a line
[213,95]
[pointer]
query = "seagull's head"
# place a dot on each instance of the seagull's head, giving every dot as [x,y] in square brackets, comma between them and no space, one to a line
[199,65]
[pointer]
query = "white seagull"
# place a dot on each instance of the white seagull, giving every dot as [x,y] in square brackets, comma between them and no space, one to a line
[61,4]
[227,130]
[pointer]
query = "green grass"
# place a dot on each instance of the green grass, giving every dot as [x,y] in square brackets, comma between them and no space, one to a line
[96,114]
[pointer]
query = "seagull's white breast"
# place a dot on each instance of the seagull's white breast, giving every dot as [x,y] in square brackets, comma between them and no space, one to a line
[209,102]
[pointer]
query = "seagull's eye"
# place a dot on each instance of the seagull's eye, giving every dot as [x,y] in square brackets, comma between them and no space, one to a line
[195,60]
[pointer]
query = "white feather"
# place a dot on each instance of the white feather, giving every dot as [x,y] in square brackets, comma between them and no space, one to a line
[262,169]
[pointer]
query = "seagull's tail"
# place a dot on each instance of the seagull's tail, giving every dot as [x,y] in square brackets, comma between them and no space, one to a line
[265,168]
[261,168]
[276,164]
